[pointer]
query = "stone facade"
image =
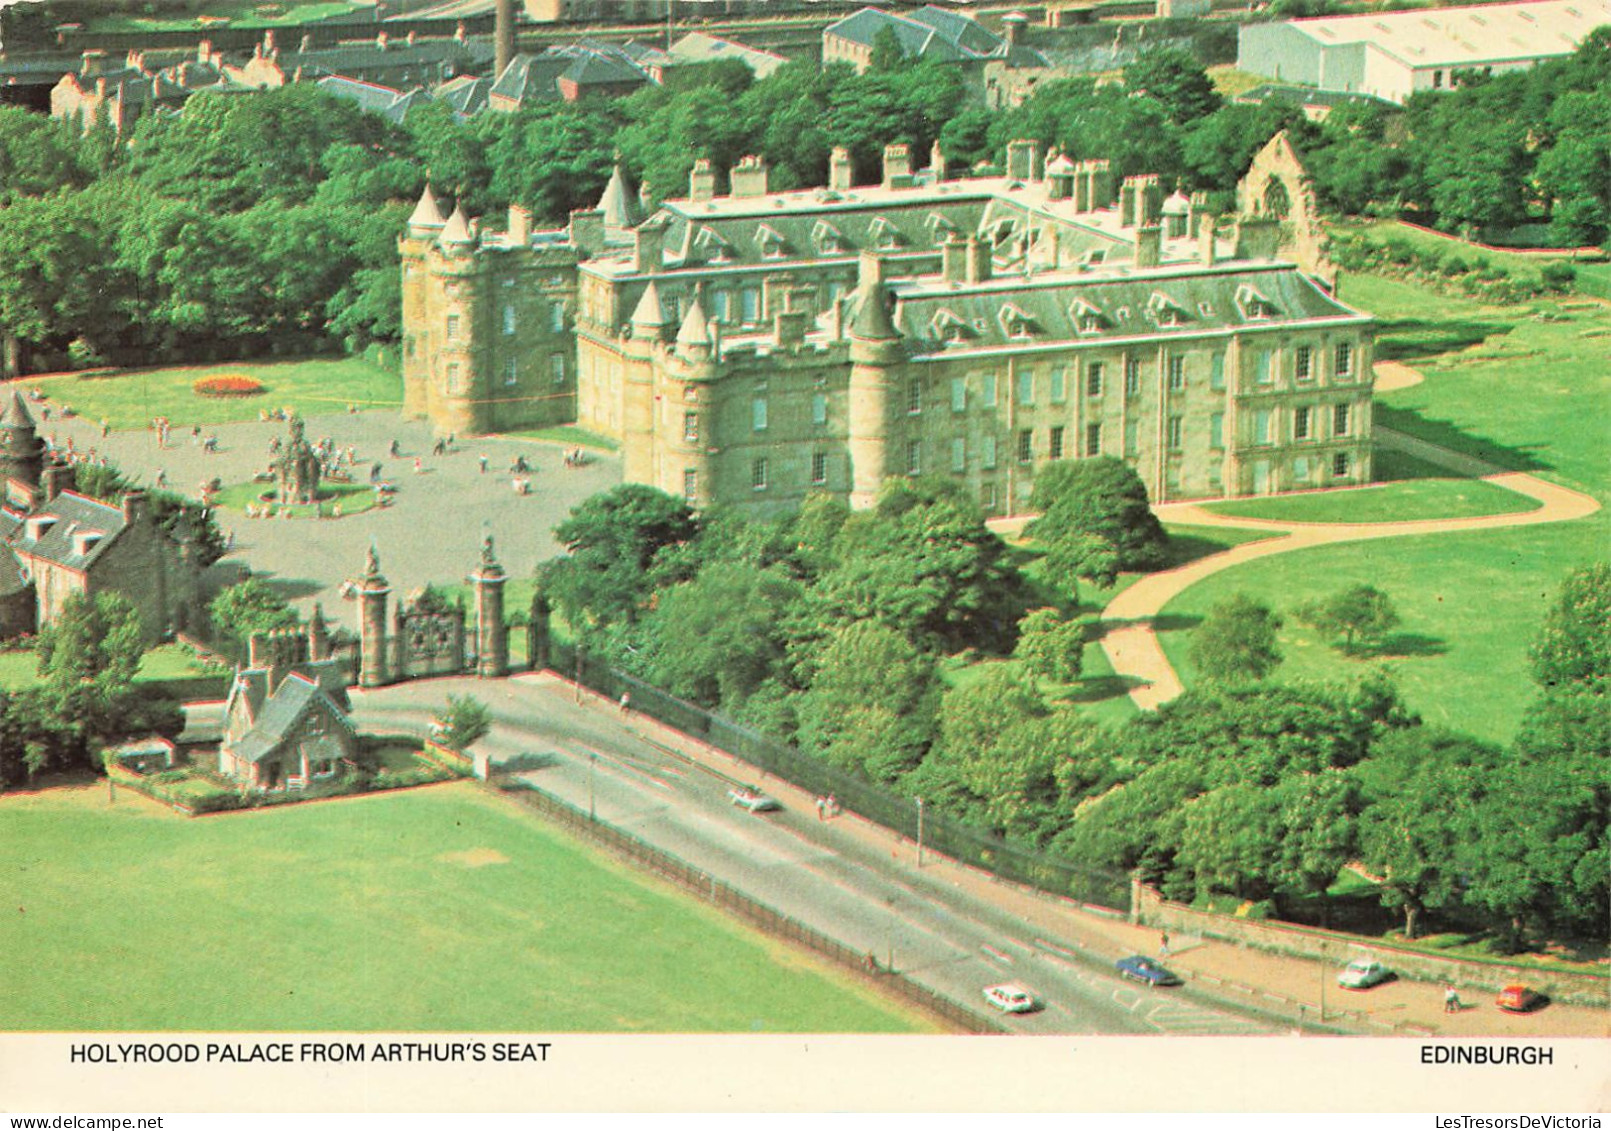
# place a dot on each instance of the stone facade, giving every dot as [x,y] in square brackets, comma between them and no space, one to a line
[752,348]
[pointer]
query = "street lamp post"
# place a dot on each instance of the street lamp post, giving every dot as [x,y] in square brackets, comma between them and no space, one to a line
[592,771]
[919,832]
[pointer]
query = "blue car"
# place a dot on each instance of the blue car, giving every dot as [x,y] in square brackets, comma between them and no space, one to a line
[1139,968]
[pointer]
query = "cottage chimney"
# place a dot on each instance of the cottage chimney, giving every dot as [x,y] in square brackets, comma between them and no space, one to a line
[1149,245]
[587,231]
[936,162]
[748,177]
[268,43]
[135,60]
[841,174]
[648,247]
[953,259]
[92,63]
[1206,249]
[1023,160]
[381,40]
[897,166]
[307,43]
[1258,237]
[413,37]
[459,32]
[54,479]
[645,198]
[204,51]
[519,233]
[976,255]
[1012,28]
[702,181]
[134,504]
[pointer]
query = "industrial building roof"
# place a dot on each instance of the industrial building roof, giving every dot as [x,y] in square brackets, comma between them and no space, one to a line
[1466,37]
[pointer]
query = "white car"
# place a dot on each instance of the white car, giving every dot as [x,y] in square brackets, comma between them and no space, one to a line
[748,797]
[1009,997]
[1362,974]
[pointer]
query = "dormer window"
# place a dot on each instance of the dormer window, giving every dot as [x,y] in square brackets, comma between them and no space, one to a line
[884,234]
[1253,305]
[1087,318]
[948,327]
[1165,310]
[942,227]
[827,238]
[1016,321]
[85,541]
[713,246]
[771,241]
[40,525]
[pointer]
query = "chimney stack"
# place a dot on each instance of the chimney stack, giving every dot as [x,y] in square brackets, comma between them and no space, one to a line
[977,259]
[897,166]
[748,177]
[519,226]
[503,35]
[1149,245]
[1207,253]
[702,181]
[841,175]
[648,247]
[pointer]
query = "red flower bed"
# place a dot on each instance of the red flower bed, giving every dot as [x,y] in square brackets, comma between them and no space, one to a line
[229,385]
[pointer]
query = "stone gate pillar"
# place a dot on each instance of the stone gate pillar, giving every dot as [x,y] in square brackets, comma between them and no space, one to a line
[491,635]
[373,590]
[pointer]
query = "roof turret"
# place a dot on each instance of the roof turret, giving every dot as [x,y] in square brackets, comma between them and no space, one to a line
[619,203]
[456,233]
[694,333]
[649,316]
[427,215]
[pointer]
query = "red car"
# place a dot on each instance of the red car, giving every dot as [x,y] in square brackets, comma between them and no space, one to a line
[1520,999]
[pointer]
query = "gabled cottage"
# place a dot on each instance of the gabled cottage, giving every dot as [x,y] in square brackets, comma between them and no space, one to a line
[286,722]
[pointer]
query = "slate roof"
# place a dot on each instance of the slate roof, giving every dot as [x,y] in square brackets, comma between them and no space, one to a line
[372,98]
[466,94]
[1309,96]
[274,717]
[531,77]
[1127,304]
[75,515]
[600,64]
[934,33]
[697,47]
[350,59]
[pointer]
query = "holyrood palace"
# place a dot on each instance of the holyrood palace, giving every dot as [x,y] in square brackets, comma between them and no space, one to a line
[753,347]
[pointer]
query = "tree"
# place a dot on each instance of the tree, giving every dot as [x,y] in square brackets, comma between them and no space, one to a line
[253,606]
[1102,499]
[466,720]
[1360,611]
[612,540]
[719,637]
[1236,641]
[1052,647]
[871,704]
[1174,77]
[1574,642]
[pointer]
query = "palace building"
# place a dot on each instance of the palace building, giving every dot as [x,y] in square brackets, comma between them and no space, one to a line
[751,348]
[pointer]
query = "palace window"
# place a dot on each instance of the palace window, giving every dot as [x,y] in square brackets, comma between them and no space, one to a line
[1132,377]
[1059,386]
[959,394]
[819,468]
[690,485]
[1344,363]
[987,452]
[758,474]
[1174,429]
[690,427]
[989,395]
[1056,450]
[1216,430]
[511,371]
[1093,379]
[1301,422]
[455,377]
[556,317]
[1303,363]
[1093,439]
[1216,371]
[1026,386]
[1339,420]
[452,327]
[914,457]
[819,409]
[758,414]
[1264,371]
[508,318]
[1026,445]
[556,365]
[959,454]
[1177,373]
[1339,465]
[914,397]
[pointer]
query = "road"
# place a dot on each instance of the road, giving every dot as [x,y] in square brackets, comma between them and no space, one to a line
[817,872]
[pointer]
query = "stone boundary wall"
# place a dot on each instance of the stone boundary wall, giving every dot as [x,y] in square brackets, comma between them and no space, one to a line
[1151,909]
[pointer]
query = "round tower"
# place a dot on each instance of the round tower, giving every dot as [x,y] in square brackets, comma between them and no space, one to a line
[491,635]
[22,452]
[875,346]
[373,590]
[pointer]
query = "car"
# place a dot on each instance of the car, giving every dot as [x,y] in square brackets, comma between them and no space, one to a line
[1009,997]
[1520,999]
[1362,974]
[748,797]
[1139,968]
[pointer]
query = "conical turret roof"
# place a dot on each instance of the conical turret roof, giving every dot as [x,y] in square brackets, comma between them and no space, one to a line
[619,203]
[457,229]
[649,313]
[695,328]
[16,414]
[427,213]
[872,321]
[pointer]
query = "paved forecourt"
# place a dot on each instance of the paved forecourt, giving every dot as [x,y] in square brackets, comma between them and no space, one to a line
[431,534]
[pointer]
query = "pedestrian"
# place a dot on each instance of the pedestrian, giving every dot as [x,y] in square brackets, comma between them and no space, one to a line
[419,468]
[105,428]
[396,449]
[440,447]
[822,808]
[626,701]
[162,478]
[374,472]
[1163,945]
[229,539]
[483,463]
[833,806]
[1451,1000]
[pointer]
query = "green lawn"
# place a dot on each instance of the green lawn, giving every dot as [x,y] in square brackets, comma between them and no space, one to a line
[1380,231]
[352,498]
[1524,392]
[235,13]
[130,399]
[19,668]
[1389,502]
[569,435]
[442,909]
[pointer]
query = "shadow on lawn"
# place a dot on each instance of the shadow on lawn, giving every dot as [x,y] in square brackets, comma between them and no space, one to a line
[1446,434]
[1401,338]
[1096,689]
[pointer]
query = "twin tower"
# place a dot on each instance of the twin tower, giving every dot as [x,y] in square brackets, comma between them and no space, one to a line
[429,636]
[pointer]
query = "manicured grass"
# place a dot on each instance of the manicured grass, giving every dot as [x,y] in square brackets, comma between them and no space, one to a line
[1503,385]
[1389,502]
[442,909]
[569,435]
[1470,605]
[241,13]
[1230,82]
[352,497]
[19,668]
[130,399]
[1379,231]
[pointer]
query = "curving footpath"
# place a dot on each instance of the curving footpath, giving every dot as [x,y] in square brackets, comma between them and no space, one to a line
[1130,642]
